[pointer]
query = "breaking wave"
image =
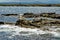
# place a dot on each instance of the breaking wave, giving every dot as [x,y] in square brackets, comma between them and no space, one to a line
[11,32]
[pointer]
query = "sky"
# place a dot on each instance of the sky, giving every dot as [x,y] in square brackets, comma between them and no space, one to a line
[44,1]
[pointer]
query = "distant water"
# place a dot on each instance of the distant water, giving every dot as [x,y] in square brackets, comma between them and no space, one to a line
[22,9]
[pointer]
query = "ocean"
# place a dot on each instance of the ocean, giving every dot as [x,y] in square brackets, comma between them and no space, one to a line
[22,10]
[11,32]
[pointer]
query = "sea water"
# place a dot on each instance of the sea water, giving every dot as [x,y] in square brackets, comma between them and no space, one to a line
[22,10]
[11,32]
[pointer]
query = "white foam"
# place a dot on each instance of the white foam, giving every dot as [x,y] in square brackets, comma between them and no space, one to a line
[19,29]
[25,31]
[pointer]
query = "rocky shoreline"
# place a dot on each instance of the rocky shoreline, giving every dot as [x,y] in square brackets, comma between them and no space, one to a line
[37,22]
[31,20]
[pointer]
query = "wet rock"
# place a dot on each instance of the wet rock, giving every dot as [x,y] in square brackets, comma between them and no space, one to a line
[1,22]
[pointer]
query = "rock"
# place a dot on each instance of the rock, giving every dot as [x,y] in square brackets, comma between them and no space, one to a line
[1,22]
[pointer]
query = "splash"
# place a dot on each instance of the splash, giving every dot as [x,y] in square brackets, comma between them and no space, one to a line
[12,31]
[16,30]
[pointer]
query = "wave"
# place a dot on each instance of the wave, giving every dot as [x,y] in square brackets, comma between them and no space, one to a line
[12,31]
